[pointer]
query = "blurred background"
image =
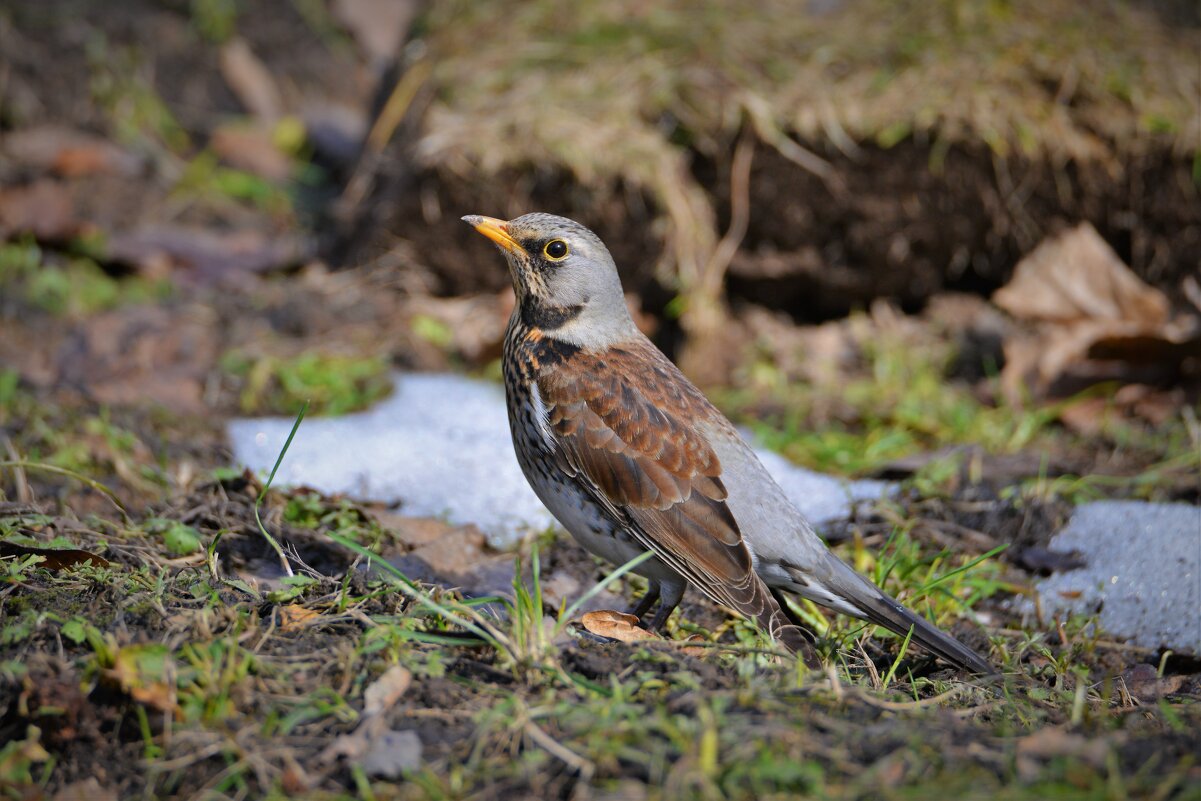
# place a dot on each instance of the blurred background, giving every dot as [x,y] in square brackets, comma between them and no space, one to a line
[945,253]
[874,230]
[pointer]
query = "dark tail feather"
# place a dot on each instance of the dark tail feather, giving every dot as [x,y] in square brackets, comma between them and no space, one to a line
[879,608]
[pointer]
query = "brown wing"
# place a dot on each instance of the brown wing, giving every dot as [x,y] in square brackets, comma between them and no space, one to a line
[617,423]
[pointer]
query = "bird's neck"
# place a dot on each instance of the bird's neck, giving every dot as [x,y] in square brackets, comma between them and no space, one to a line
[540,314]
[530,350]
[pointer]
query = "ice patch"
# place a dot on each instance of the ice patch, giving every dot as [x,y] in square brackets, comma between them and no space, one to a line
[440,447]
[1143,572]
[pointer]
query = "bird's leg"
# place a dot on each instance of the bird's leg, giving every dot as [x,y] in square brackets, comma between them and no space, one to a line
[671,593]
[648,600]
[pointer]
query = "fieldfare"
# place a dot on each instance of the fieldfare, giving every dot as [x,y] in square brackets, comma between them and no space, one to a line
[629,455]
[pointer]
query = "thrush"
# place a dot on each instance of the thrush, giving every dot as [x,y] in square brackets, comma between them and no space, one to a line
[631,457]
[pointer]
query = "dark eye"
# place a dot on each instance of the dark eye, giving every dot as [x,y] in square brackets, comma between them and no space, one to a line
[556,250]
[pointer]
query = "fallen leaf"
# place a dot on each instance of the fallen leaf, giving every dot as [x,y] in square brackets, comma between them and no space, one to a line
[455,551]
[44,208]
[295,616]
[250,81]
[68,152]
[205,255]
[412,531]
[147,674]
[1076,276]
[253,149]
[1094,321]
[54,558]
[379,27]
[1144,683]
[1090,415]
[616,626]
[143,354]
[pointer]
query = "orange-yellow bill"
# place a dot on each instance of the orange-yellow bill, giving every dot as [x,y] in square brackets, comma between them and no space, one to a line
[494,229]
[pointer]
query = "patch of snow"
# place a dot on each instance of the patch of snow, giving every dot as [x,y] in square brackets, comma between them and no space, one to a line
[1143,572]
[440,447]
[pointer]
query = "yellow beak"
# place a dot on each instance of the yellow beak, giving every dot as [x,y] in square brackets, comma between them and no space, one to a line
[496,230]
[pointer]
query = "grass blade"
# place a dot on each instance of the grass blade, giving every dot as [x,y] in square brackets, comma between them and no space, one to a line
[892,671]
[283,559]
[62,471]
[474,623]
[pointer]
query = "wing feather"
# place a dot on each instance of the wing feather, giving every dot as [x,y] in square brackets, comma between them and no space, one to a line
[620,430]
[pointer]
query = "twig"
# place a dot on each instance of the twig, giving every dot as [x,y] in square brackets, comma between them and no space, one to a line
[582,766]
[23,493]
[740,214]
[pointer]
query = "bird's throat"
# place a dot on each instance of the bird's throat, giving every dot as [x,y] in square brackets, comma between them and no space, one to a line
[536,313]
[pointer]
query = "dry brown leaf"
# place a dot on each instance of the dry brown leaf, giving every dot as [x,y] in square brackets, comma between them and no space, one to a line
[616,626]
[54,558]
[696,650]
[206,255]
[44,208]
[378,26]
[147,673]
[454,552]
[1095,321]
[251,148]
[295,616]
[1144,683]
[1077,276]
[412,531]
[251,81]
[67,151]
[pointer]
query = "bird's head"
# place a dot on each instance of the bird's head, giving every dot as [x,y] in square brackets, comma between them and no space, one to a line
[564,278]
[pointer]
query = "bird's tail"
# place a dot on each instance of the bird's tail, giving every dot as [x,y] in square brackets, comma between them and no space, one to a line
[861,598]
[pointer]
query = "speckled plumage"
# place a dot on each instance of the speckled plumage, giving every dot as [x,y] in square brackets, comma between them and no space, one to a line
[630,456]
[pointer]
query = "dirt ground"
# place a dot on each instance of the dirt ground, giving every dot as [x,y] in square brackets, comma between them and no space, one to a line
[189,233]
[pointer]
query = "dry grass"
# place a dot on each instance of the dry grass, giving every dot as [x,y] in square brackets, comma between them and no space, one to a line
[622,92]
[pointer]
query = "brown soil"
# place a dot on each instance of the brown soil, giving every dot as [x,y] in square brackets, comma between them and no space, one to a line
[902,229]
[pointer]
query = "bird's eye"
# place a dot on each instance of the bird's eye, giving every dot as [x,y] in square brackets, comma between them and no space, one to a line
[556,250]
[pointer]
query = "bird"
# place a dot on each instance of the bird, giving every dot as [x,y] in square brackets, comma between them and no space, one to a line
[630,456]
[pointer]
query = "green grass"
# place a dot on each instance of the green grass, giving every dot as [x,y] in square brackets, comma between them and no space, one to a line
[900,402]
[174,646]
[736,723]
[74,287]
[333,384]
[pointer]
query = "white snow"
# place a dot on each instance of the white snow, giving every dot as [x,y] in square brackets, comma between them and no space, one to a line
[440,447]
[1143,573]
